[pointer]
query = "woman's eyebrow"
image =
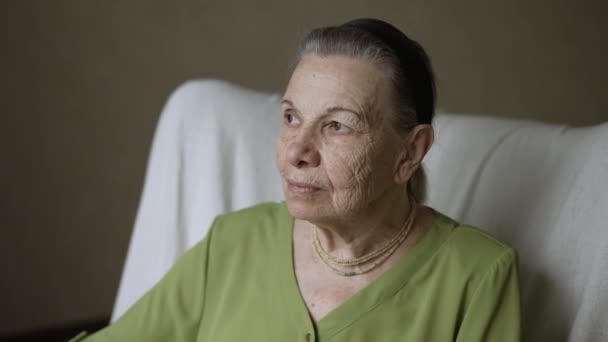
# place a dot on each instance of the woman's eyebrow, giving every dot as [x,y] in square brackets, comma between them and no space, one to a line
[342,109]
[328,110]
[288,102]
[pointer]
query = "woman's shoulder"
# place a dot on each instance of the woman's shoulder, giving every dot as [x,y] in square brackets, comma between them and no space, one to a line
[260,222]
[473,247]
[266,213]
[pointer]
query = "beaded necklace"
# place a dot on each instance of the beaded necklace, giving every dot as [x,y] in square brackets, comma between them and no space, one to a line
[381,253]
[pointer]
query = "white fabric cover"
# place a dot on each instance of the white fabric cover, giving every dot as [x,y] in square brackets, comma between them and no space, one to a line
[541,188]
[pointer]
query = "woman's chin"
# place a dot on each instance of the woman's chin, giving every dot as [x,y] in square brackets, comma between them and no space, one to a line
[304,209]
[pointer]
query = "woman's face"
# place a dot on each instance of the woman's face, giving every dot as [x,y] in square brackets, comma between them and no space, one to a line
[336,151]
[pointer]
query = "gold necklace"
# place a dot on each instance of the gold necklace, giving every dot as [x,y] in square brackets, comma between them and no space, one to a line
[382,253]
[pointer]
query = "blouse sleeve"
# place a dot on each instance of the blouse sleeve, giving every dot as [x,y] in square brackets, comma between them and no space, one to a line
[169,311]
[494,313]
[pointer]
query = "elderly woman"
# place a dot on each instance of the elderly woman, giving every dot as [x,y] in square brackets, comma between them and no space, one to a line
[352,254]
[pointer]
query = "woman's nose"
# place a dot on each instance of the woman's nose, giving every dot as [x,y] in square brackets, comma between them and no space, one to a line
[302,154]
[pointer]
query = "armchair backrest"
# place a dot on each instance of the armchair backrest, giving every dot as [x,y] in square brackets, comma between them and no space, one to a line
[541,188]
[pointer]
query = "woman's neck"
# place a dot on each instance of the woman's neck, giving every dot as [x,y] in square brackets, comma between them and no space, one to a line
[366,231]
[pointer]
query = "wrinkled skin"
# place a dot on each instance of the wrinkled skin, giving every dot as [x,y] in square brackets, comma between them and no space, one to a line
[354,158]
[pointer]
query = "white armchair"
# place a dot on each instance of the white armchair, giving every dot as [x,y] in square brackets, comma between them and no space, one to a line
[541,188]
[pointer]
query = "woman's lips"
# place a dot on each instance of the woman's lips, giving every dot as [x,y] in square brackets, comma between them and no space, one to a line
[302,188]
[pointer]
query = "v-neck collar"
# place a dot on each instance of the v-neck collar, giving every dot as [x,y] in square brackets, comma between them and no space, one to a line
[366,299]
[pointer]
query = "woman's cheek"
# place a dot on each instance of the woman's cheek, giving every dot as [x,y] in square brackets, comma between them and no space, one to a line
[350,168]
[349,183]
[280,151]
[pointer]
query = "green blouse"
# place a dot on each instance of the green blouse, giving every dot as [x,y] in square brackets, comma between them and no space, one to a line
[237,284]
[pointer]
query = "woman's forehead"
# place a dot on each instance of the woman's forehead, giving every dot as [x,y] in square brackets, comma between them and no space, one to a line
[336,80]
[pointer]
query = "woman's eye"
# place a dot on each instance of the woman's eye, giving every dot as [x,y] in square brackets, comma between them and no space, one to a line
[289,118]
[339,127]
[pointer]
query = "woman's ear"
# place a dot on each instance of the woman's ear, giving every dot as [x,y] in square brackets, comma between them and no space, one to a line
[417,144]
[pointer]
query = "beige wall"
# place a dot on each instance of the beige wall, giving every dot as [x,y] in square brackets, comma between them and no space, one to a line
[83,83]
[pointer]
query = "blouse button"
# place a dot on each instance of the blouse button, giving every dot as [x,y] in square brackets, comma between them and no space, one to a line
[307,337]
